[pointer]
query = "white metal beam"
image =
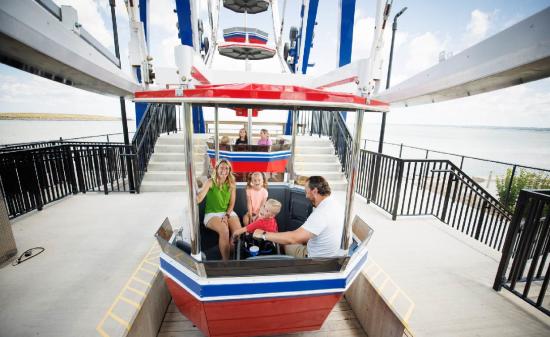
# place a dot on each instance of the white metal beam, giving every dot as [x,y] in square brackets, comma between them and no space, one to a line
[34,40]
[517,55]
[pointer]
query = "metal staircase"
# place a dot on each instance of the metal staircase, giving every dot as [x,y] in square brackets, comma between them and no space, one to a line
[166,169]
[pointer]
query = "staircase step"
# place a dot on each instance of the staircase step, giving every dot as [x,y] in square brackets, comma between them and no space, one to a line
[163,186]
[163,156]
[324,158]
[317,166]
[329,175]
[337,185]
[169,166]
[314,150]
[169,148]
[153,176]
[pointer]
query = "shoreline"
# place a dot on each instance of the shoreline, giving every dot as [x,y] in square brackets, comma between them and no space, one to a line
[58,117]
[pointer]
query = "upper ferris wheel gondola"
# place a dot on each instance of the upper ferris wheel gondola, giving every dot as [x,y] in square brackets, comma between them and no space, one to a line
[271,293]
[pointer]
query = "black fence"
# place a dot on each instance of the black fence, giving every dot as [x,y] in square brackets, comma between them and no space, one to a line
[524,268]
[158,119]
[410,187]
[31,178]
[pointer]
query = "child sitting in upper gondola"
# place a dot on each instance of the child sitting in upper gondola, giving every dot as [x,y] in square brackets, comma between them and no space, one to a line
[265,220]
[256,196]
[264,138]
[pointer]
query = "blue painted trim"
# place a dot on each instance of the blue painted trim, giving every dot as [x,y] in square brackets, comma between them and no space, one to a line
[217,290]
[198,119]
[311,16]
[358,267]
[141,108]
[288,126]
[347,20]
[143,17]
[183,9]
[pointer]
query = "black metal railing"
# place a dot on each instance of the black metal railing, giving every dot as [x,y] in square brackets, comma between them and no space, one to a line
[410,187]
[158,119]
[524,269]
[31,178]
[514,176]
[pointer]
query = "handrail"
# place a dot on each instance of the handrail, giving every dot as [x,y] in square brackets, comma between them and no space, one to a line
[526,248]
[31,178]
[459,155]
[158,118]
[410,187]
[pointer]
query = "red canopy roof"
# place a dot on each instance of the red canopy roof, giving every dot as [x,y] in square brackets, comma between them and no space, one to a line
[262,95]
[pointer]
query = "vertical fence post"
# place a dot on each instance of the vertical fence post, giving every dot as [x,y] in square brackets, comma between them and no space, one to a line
[103,169]
[400,171]
[427,151]
[507,249]
[37,187]
[461,162]
[509,188]
[400,150]
[484,206]
[320,123]
[107,138]
[447,196]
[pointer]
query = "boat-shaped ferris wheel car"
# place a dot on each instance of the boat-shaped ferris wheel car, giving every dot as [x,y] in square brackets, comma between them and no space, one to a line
[266,294]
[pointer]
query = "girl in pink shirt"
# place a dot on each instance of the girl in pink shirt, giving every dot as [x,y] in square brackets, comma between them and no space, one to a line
[264,138]
[256,196]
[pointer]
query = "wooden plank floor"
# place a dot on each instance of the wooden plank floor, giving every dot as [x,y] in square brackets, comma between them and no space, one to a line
[341,322]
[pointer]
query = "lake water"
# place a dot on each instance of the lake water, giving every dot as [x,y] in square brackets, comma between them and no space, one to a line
[530,147]
[22,131]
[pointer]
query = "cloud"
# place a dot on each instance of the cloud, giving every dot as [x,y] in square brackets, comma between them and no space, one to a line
[499,108]
[477,28]
[22,91]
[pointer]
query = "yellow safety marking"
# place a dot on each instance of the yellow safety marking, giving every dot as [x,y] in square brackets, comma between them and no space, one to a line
[102,332]
[129,301]
[151,263]
[143,282]
[394,296]
[383,285]
[136,291]
[109,313]
[397,292]
[148,271]
[120,320]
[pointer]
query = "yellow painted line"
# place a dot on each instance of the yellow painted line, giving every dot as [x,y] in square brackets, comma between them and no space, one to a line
[109,312]
[120,320]
[141,281]
[383,285]
[136,291]
[102,332]
[394,296]
[148,271]
[129,301]
[153,261]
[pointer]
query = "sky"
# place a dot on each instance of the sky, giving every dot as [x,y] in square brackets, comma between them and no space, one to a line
[424,30]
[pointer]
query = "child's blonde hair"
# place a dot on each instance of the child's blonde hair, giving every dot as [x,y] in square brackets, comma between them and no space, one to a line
[250,176]
[224,140]
[265,131]
[274,206]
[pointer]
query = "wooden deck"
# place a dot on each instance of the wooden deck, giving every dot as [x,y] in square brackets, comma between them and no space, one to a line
[341,322]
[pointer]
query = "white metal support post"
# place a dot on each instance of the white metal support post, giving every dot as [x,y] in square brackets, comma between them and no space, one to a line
[350,192]
[193,214]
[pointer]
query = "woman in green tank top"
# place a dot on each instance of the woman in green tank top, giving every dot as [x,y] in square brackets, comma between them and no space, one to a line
[220,191]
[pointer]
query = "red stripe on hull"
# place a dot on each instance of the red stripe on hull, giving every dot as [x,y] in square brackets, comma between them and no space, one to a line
[252,166]
[254,317]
